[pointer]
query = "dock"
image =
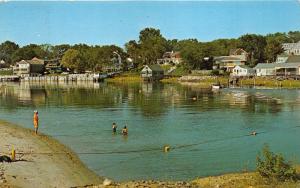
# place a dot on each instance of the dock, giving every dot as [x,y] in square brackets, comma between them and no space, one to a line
[9,78]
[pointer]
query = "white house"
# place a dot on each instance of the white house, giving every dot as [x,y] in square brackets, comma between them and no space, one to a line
[170,58]
[265,69]
[237,57]
[291,48]
[282,58]
[152,72]
[243,70]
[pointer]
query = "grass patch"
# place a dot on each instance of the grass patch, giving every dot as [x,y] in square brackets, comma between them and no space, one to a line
[6,72]
[170,80]
[266,82]
[125,79]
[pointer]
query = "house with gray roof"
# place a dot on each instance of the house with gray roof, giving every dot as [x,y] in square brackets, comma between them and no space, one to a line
[152,72]
[265,69]
[33,67]
[278,69]
[243,70]
[236,57]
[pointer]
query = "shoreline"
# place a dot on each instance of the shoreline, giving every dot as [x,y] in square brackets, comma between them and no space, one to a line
[41,161]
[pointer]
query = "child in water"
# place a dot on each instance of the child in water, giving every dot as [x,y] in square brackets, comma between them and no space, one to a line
[114,127]
[125,131]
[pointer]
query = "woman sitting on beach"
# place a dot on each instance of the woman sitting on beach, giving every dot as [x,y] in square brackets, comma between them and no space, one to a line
[125,131]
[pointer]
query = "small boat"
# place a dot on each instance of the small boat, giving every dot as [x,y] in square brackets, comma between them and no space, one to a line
[215,86]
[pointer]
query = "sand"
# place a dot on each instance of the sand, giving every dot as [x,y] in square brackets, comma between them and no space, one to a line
[41,161]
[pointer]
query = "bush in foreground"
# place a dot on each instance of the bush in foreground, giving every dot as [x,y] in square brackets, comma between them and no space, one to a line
[274,166]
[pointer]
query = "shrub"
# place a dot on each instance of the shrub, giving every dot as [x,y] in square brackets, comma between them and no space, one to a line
[274,166]
[215,72]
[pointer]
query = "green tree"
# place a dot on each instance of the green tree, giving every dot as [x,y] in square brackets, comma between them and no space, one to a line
[271,165]
[7,48]
[133,50]
[255,46]
[59,50]
[195,54]
[272,49]
[152,44]
[72,59]
[28,52]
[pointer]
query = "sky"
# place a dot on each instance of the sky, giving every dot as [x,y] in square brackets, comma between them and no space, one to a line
[117,22]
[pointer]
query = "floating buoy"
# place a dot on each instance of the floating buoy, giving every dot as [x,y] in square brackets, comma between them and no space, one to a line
[167,148]
[254,133]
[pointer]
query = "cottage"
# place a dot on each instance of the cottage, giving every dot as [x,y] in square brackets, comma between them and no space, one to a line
[288,69]
[265,69]
[53,66]
[34,67]
[243,70]
[291,48]
[170,58]
[282,58]
[236,57]
[152,72]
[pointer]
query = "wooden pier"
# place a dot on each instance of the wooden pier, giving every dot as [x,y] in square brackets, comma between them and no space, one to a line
[9,78]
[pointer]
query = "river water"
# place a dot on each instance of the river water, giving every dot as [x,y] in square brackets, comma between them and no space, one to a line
[207,136]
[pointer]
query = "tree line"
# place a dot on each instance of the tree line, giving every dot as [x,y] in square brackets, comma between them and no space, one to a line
[149,47]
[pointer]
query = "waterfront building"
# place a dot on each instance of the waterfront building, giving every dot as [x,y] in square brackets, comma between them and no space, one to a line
[291,48]
[227,63]
[152,72]
[33,67]
[170,58]
[243,70]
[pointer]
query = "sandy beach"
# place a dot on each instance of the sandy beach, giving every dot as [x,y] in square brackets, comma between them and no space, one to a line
[40,161]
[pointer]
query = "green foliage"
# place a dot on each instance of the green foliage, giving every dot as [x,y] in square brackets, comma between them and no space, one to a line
[272,165]
[215,72]
[7,49]
[254,45]
[73,60]
[6,72]
[149,48]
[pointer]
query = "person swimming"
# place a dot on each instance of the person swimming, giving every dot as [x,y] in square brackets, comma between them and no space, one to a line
[114,127]
[125,130]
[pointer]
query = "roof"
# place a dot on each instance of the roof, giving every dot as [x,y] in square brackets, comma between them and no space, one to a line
[293,59]
[236,51]
[287,65]
[171,54]
[283,55]
[276,65]
[23,62]
[244,67]
[36,61]
[156,67]
[265,66]
[227,58]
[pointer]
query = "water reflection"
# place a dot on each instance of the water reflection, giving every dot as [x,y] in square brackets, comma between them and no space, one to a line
[152,99]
